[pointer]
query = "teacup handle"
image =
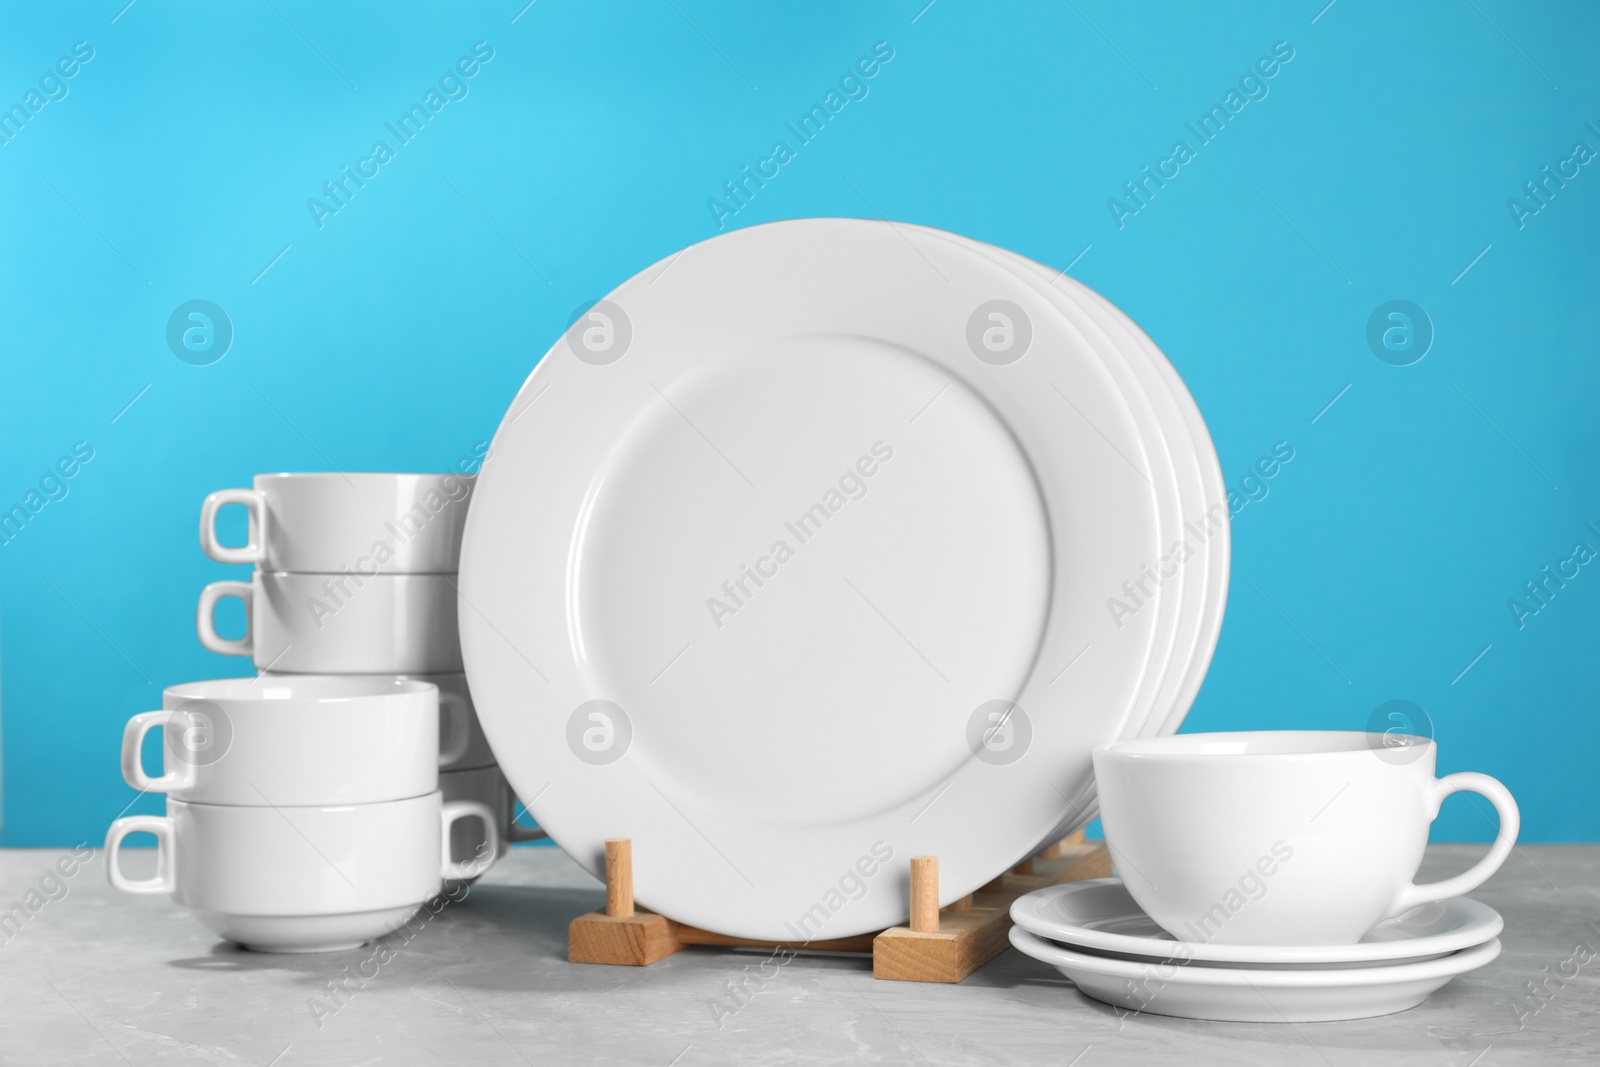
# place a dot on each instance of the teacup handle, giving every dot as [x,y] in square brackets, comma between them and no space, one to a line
[180,777]
[518,832]
[205,622]
[166,879]
[253,550]
[1510,823]
[449,815]
[454,723]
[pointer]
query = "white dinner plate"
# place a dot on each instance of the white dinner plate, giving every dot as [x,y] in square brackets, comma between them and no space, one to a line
[1171,462]
[778,729]
[1197,595]
[1202,625]
[1214,496]
[1252,995]
[1212,565]
[1100,915]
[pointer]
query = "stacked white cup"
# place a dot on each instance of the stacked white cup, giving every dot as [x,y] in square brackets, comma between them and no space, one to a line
[303,811]
[356,574]
[316,806]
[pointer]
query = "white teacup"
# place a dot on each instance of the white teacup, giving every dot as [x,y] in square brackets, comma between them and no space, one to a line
[328,523]
[462,743]
[340,623]
[311,879]
[291,740]
[1281,837]
[486,786]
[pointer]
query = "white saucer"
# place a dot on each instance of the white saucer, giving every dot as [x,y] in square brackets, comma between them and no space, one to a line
[1101,916]
[1252,995]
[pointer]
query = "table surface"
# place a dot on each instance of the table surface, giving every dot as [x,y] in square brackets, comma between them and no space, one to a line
[98,977]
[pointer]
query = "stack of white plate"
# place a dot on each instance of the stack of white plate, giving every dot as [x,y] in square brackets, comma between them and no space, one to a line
[826,543]
[1098,936]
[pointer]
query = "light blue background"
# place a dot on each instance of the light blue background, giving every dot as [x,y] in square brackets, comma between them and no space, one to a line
[1379,167]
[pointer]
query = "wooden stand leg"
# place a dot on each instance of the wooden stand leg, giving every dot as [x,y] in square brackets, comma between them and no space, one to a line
[939,946]
[925,894]
[619,878]
[948,945]
[621,934]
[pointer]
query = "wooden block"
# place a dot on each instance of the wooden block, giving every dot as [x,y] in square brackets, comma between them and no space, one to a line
[965,941]
[1053,851]
[636,940]
[1074,863]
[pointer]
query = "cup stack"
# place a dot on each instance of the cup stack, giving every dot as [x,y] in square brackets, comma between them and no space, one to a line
[356,574]
[303,811]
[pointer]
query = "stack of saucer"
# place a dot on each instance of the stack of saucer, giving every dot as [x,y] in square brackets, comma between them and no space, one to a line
[1266,877]
[356,574]
[1098,936]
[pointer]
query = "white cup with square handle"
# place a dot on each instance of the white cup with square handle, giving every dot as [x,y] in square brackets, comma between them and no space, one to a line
[486,786]
[302,879]
[331,522]
[339,623]
[290,740]
[462,744]
[1291,837]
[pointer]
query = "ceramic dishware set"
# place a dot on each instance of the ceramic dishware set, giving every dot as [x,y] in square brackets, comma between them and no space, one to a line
[836,542]
[832,542]
[1267,876]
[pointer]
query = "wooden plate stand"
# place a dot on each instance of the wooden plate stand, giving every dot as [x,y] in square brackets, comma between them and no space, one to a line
[939,945]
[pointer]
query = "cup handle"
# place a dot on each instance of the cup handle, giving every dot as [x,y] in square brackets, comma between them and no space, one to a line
[253,550]
[518,832]
[205,623]
[166,879]
[133,767]
[1510,823]
[454,811]
[454,710]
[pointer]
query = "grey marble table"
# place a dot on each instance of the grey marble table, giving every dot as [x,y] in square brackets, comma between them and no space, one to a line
[96,977]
